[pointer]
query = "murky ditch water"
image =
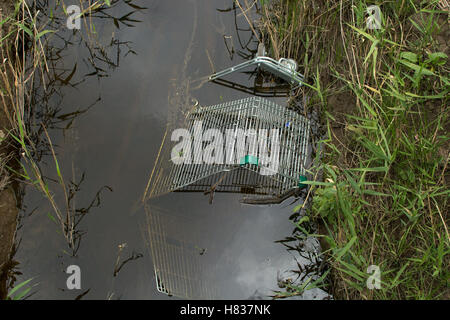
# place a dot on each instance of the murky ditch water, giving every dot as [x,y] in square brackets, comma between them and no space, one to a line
[225,249]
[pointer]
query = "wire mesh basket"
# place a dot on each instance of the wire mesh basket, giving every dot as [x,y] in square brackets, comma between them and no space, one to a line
[264,149]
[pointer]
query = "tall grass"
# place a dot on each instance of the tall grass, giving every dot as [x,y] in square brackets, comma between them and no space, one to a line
[24,63]
[383,94]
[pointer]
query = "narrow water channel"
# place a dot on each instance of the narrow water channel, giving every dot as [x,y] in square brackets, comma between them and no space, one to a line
[120,89]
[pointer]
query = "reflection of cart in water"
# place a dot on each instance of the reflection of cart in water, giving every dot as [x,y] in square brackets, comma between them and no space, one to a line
[179,267]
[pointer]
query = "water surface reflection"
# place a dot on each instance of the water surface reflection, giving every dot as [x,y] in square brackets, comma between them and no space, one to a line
[115,143]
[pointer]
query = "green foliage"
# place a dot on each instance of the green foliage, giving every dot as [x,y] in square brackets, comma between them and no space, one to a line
[20,291]
[383,198]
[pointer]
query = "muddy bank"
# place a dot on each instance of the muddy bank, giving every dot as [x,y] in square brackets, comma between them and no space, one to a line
[8,190]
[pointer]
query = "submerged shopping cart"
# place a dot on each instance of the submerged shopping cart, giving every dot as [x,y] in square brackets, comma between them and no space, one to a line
[263,146]
[264,150]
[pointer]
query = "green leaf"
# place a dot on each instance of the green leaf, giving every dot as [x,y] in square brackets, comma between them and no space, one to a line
[410,56]
[395,282]
[373,48]
[437,58]
[365,34]
[52,217]
[26,29]
[346,248]
[415,67]
[40,34]
[16,288]
[375,193]
[22,294]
